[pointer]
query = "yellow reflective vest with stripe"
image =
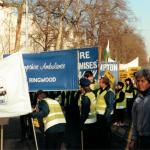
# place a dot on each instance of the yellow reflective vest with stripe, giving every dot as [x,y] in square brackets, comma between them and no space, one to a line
[55,115]
[92,114]
[127,94]
[94,86]
[120,105]
[101,103]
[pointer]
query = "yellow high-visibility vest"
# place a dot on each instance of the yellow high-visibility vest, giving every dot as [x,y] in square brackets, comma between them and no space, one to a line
[101,103]
[55,116]
[94,86]
[127,94]
[120,105]
[92,114]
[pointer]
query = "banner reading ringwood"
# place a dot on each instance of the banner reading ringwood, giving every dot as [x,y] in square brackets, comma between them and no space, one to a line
[88,60]
[52,70]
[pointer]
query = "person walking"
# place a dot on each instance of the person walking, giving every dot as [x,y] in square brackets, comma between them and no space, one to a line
[141,112]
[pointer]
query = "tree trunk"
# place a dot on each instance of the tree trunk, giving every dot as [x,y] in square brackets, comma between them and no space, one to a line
[60,34]
[59,42]
[18,27]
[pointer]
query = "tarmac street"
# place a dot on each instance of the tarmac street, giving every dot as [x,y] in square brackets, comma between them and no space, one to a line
[12,135]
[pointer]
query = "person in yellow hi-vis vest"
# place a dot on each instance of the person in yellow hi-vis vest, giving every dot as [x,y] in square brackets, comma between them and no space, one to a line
[104,109]
[87,114]
[130,95]
[120,104]
[51,120]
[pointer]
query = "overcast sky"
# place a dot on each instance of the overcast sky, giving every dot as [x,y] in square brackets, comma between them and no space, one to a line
[141,9]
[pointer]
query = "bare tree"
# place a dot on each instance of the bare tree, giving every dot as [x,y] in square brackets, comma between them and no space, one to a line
[85,24]
[20,6]
[49,17]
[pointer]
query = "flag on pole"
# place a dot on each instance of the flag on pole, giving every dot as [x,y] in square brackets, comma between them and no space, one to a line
[106,52]
[14,96]
[107,49]
[105,55]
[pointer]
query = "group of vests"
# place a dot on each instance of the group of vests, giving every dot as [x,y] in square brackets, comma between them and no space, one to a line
[56,115]
[128,95]
[98,106]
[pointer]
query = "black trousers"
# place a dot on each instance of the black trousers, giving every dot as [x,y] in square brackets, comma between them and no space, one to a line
[26,126]
[53,141]
[89,136]
[73,136]
[144,143]
[103,132]
[120,113]
[129,107]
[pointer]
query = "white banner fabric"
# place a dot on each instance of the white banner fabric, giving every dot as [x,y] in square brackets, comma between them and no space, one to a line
[14,95]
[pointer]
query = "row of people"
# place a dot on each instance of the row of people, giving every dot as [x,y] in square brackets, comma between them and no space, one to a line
[125,95]
[82,117]
[88,110]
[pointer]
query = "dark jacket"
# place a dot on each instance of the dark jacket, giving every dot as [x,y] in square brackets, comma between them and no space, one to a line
[141,115]
[43,112]
[110,100]
[121,97]
[85,109]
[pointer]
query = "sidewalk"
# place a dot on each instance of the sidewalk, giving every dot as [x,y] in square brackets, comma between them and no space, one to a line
[12,134]
[121,136]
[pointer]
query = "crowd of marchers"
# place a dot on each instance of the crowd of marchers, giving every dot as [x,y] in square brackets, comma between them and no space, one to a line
[82,119]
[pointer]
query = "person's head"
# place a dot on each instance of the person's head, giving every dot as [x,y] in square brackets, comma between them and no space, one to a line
[120,85]
[89,75]
[85,85]
[128,81]
[104,82]
[40,95]
[142,78]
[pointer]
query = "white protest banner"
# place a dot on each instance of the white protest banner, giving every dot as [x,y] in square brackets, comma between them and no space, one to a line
[14,96]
